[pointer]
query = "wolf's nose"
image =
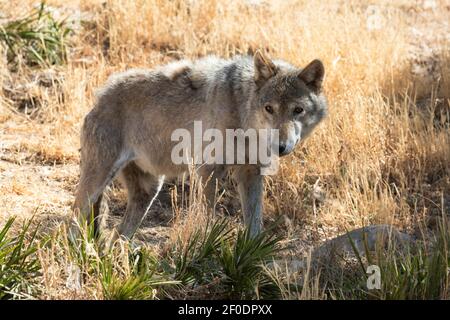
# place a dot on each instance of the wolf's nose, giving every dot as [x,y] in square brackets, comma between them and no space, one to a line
[282,148]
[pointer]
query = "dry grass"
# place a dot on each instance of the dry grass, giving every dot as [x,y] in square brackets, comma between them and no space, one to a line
[382,155]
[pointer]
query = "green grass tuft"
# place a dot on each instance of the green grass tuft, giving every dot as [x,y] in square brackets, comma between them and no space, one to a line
[38,38]
[18,261]
[220,262]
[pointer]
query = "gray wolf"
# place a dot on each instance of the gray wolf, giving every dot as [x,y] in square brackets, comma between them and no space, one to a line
[128,132]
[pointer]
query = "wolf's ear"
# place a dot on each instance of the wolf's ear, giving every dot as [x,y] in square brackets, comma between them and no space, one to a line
[313,74]
[264,68]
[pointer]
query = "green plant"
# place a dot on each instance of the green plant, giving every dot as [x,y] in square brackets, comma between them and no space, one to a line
[195,262]
[139,282]
[122,272]
[38,38]
[18,261]
[243,261]
[419,271]
[226,263]
[81,244]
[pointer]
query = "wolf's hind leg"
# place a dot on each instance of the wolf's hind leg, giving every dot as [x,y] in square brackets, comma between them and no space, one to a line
[141,196]
[96,174]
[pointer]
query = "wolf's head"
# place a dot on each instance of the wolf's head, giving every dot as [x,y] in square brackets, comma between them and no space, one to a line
[287,99]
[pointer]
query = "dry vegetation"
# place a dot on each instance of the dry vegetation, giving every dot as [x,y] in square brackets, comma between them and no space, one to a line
[382,155]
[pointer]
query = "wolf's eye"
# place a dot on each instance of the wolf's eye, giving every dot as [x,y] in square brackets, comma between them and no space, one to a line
[298,110]
[269,109]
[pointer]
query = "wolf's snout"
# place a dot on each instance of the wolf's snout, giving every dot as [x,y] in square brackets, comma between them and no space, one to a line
[289,135]
[285,148]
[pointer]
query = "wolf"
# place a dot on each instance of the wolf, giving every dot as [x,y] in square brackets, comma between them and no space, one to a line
[127,134]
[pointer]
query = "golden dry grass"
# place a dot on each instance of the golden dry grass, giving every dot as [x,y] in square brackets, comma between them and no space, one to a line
[382,155]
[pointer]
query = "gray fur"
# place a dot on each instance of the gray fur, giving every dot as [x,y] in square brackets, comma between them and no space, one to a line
[129,129]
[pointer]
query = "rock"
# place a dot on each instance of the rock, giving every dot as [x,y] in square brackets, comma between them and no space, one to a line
[341,247]
[370,237]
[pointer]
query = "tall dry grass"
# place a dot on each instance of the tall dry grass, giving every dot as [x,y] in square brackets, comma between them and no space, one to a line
[381,156]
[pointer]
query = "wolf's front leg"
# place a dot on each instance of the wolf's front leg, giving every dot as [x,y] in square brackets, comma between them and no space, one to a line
[250,188]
